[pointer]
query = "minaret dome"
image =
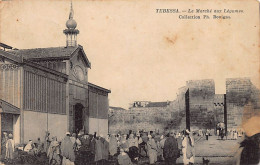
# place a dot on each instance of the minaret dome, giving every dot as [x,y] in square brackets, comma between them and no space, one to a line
[71,24]
[71,32]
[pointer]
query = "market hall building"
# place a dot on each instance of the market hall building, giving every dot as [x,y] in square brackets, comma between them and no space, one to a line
[47,89]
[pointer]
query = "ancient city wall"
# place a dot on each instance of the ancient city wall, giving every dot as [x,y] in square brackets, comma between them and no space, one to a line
[147,118]
[242,101]
[206,108]
[201,97]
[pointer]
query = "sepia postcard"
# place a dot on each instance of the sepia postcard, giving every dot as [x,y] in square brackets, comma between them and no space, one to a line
[129,82]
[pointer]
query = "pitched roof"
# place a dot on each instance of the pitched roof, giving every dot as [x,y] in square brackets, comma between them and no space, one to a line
[98,87]
[38,54]
[157,104]
[6,107]
[10,56]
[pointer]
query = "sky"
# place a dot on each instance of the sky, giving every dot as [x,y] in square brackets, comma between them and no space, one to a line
[137,53]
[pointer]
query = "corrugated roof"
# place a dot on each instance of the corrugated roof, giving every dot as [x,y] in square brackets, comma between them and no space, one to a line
[38,53]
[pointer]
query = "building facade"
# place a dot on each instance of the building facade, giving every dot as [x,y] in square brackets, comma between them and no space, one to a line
[47,89]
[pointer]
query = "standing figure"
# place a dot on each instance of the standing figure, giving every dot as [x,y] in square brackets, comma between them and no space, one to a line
[98,150]
[47,141]
[235,135]
[143,144]
[54,152]
[136,140]
[200,132]
[170,150]
[73,140]
[10,148]
[92,147]
[132,141]
[222,133]
[3,145]
[207,134]
[112,145]
[67,151]
[84,150]
[124,142]
[161,144]
[188,149]
[105,149]
[232,134]
[152,149]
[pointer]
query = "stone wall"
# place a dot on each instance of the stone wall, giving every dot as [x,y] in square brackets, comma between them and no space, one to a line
[242,101]
[173,116]
[147,118]
[201,96]
[219,108]
[206,108]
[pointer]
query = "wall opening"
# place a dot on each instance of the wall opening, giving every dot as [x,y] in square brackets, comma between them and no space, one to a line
[78,117]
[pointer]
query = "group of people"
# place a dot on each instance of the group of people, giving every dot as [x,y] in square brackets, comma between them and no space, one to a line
[125,149]
[234,134]
[157,147]
[205,133]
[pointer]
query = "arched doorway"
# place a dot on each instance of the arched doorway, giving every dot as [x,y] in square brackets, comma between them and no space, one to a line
[78,117]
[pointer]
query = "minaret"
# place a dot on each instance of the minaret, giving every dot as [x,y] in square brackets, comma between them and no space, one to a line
[71,32]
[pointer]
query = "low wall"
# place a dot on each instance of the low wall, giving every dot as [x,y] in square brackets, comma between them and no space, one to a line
[35,125]
[147,118]
[98,125]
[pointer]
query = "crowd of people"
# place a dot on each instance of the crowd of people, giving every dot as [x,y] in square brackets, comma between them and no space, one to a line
[122,149]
